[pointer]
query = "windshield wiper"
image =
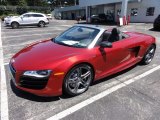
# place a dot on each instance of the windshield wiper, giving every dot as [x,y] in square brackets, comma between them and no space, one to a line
[78,45]
[62,43]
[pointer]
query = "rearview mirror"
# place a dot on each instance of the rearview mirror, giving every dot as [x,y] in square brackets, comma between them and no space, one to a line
[106,44]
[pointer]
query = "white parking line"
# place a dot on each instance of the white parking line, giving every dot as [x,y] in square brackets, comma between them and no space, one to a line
[100,95]
[15,36]
[25,43]
[4,96]
[58,27]
[37,30]
[6,64]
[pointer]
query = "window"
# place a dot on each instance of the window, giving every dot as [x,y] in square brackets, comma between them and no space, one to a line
[118,12]
[77,36]
[37,15]
[134,11]
[150,11]
[27,15]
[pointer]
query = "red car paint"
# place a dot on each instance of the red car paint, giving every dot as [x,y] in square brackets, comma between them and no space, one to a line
[47,55]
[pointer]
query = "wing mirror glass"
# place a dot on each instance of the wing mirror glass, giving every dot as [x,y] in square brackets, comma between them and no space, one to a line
[106,44]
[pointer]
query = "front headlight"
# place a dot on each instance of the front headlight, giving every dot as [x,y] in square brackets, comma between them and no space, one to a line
[38,73]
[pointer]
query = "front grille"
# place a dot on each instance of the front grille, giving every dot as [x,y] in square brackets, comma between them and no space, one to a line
[33,82]
[13,71]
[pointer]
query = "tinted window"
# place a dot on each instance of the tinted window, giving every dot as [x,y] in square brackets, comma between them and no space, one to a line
[102,15]
[37,15]
[150,11]
[27,15]
[118,12]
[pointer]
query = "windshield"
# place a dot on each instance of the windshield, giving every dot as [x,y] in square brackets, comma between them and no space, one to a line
[77,36]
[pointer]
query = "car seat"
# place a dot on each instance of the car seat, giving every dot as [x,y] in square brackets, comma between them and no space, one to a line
[115,35]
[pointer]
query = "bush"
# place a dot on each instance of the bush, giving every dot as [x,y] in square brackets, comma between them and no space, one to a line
[2,17]
[1,12]
[5,15]
[21,10]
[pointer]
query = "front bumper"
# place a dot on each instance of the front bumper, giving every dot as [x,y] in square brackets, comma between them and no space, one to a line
[52,88]
[47,22]
[7,23]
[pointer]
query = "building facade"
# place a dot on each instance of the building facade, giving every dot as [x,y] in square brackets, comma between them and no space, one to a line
[138,10]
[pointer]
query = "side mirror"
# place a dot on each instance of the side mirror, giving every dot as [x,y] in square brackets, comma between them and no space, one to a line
[106,44]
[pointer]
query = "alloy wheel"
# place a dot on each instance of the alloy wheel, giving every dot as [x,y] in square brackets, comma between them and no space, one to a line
[41,24]
[149,55]
[78,79]
[14,25]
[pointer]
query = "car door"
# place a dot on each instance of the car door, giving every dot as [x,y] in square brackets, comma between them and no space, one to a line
[120,56]
[26,19]
[36,18]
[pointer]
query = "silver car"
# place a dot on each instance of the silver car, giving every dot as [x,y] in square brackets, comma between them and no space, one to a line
[30,18]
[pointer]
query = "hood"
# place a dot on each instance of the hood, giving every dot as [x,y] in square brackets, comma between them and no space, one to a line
[44,54]
[11,17]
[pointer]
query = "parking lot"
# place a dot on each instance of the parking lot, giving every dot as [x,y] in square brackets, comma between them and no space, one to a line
[130,95]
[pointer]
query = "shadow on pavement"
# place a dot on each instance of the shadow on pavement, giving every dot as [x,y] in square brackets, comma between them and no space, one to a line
[152,29]
[24,27]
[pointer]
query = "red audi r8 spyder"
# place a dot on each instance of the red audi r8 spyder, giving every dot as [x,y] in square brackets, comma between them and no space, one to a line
[80,55]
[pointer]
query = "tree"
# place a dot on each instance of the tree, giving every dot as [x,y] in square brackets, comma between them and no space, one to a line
[22,2]
[17,2]
[37,2]
[57,3]
[3,2]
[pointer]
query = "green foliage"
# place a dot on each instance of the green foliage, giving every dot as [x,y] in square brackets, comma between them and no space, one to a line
[22,3]
[63,2]
[42,3]
[37,3]
[3,2]
[17,2]
[22,6]
[21,10]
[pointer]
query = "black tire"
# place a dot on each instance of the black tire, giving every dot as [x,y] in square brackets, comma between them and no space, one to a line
[41,24]
[14,25]
[149,55]
[78,80]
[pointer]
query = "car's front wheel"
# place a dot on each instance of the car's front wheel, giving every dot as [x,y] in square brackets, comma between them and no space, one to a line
[149,55]
[14,25]
[41,24]
[78,80]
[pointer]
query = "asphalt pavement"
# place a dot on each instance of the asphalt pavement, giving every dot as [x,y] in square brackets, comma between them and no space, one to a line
[127,97]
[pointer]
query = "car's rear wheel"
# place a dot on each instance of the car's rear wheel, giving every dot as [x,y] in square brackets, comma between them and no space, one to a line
[41,24]
[149,55]
[78,80]
[14,25]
